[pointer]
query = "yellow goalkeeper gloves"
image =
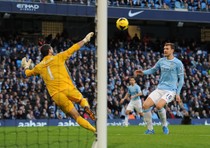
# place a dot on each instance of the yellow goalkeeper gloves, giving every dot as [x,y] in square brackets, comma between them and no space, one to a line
[25,64]
[88,37]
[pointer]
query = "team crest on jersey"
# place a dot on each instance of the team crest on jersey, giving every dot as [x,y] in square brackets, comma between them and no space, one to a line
[168,97]
[172,66]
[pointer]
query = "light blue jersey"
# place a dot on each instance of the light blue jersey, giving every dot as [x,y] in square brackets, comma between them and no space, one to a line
[171,74]
[133,90]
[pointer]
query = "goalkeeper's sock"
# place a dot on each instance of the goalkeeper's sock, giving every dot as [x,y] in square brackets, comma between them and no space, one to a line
[90,113]
[126,120]
[148,118]
[162,115]
[84,123]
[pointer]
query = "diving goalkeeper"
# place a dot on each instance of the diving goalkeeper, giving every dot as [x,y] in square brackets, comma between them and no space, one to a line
[59,84]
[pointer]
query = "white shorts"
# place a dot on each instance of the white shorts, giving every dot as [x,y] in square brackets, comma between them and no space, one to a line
[135,104]
[158,94]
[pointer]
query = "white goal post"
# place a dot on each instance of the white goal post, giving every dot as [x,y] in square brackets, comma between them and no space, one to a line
[101,66]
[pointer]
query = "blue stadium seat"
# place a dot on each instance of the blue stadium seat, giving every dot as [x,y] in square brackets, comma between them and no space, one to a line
[190,8]
[2,51]
[203,6]
[6,45]
[149,5]
[204,72]
[18,62]
[142,5]
[19,46]
[172,4]
[135,2]
[157,6]
[177,4]
[186,106]
[167,2]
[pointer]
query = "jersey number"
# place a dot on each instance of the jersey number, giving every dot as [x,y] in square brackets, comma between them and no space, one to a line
[50,73]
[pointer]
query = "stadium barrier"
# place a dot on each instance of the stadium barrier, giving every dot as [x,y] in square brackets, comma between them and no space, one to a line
[113,12]
[69,122]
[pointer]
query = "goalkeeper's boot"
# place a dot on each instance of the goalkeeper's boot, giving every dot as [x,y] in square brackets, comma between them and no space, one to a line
[149,132]
[165,130]
[90,113]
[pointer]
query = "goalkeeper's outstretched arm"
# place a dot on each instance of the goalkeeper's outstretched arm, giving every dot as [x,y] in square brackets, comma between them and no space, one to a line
[86,39]
[77,46]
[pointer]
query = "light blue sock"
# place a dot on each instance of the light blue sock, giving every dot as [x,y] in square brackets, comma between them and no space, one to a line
[126,120]
[162,115]
[148,118]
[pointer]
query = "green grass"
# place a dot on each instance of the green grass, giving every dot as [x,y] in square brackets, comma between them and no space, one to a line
[118,137]
[45,137]
[179,137]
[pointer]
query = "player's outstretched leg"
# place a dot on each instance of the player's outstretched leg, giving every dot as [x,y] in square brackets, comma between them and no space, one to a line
[84,123]
[90,113]
[80,120]
[84,103]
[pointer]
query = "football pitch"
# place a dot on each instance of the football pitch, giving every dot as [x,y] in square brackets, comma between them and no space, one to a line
[188,136]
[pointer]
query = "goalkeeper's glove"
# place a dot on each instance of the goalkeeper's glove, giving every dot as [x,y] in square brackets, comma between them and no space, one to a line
[88,37]
[25,64]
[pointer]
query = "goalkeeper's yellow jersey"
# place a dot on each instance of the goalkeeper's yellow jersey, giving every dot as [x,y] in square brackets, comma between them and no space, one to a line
[54,72]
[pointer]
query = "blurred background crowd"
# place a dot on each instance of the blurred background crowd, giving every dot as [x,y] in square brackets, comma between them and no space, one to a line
[184,5]
[27,98]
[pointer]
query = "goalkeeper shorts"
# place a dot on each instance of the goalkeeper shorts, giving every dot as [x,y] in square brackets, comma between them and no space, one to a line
[66,99]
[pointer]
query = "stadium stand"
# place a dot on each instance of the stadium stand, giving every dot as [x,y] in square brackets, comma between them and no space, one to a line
[182,5]
[18,99]
[27,98]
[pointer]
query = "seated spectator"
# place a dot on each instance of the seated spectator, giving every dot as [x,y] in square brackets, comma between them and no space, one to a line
[29,94]
[186,118]
[30,115]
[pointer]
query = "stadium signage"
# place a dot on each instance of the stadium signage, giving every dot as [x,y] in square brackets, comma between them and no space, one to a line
[27,7]
[31,124]
[68,123]
[113,12]
[134,122]
[115,122]
[132,14]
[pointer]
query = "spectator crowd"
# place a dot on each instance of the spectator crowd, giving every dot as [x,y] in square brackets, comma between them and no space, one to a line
[27,98]
[183,5]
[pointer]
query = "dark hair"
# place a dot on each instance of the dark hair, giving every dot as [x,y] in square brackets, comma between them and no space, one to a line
[45,49]
[170,44]
[132,77]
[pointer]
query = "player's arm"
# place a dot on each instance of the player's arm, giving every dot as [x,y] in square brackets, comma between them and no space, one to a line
[66,54]
[30,72]
[136,95]
[180,69]
[148,71]
[153,69]
[26,66]
[126,97]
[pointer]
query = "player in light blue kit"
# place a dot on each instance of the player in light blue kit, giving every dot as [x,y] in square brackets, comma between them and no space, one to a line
[133,95]
[170,85]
